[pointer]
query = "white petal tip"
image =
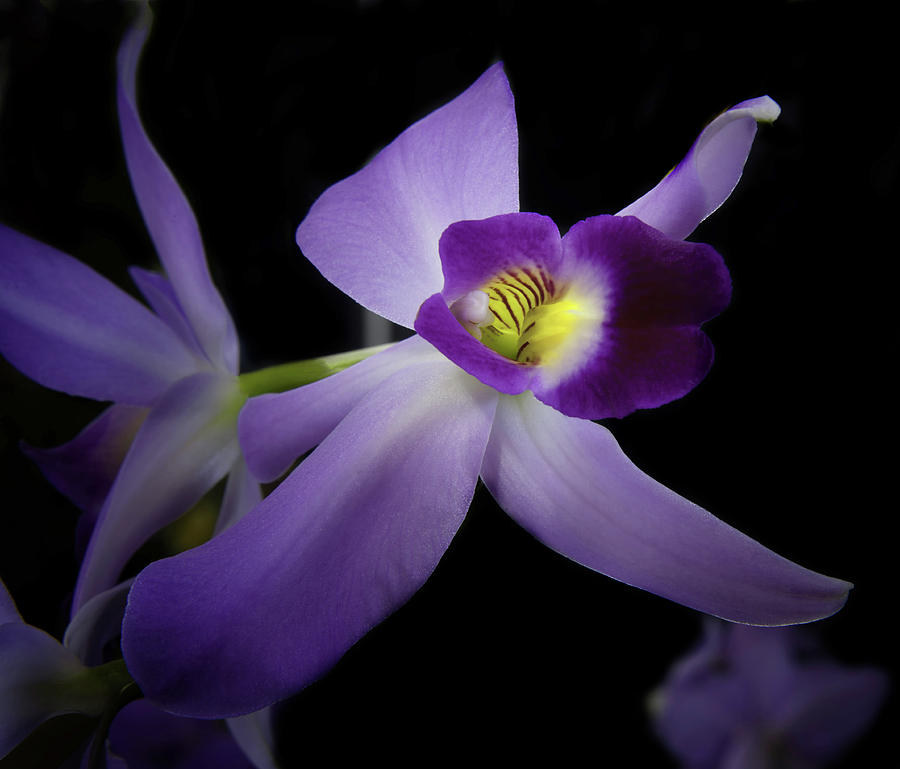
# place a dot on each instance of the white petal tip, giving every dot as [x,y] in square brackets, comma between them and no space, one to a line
[762,109]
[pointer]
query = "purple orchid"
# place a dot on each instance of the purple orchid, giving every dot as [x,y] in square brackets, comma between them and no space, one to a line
[755,698]
[170,373]
[523,337]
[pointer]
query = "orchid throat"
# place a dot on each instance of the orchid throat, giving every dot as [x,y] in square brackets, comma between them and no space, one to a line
[527,317]
[596,323]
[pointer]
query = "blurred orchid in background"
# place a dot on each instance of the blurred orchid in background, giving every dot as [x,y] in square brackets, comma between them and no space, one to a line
[763,698]
[40,679]
[171,433]
[531,336]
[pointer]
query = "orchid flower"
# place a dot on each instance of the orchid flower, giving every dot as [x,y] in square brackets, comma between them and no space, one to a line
[40,678]
[753,698]
[523,337]
[171,373]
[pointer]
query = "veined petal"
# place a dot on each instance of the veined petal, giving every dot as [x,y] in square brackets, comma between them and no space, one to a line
[568,483]
[375,234]
[169,218]
[490,258]
[436,323]
[190,440]
[40,679]
[344,541]
[474,252]
[277,428]
[706,176]
[98,622]
[70,329]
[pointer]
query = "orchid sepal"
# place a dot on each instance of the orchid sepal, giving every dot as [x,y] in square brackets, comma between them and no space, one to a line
[708,174]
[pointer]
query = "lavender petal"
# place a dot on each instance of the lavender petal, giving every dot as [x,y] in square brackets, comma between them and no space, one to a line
[344,541]
[375,234]
[568,483]
[277,428]
[170,220]
[72,330]
[706,176]
[190,439]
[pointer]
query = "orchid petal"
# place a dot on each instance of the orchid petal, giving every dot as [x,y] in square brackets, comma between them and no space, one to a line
[41,679]
[8,610]
[242,494]
[253,733]
[277,428]
[436,323]
[375,234]
[70,329]
[170,220]
[344,541]
[149,738]
[160,295]
[706,176]
[84,468]
[97,623]
[189,439]
[567,481]
[473,252]
[697,721]
[748,751]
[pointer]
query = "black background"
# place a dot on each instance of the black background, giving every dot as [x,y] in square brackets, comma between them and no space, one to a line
[509,649]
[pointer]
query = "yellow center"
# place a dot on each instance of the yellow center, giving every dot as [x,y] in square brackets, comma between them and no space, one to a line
[534,320]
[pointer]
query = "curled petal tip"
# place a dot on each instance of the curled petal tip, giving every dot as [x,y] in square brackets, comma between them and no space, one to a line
[763,109]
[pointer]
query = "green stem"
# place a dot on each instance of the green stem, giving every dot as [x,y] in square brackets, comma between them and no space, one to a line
[289,375]
[122,690]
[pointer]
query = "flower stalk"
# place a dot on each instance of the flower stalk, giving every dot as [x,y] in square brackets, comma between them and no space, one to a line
[287,376]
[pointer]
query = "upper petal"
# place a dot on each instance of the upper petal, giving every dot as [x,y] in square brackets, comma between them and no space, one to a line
[375,234]
[186,445]
[269,605]
[704,179]
[569,484]
[71,329]
[169,217]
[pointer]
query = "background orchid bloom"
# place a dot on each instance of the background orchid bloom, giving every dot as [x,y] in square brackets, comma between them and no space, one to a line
[351,534]
[761,698]
[170,434]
